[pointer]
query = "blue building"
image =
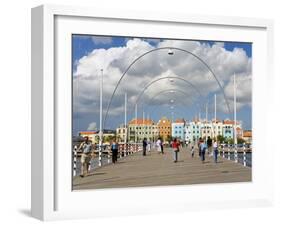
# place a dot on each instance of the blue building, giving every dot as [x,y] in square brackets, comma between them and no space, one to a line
[178,129]
[195,130]
[227,129]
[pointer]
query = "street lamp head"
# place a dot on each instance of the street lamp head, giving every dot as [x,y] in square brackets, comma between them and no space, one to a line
[170,52]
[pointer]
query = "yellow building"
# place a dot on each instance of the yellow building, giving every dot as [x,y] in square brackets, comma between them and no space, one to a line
[90,134]
[121,133]
[142,128]
[93,136]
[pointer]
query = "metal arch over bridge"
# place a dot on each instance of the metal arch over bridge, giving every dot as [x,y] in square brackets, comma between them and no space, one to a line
[167,77]
[157,49]
[174,91]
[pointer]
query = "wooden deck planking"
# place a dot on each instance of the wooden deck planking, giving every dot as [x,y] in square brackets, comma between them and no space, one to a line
[159,170]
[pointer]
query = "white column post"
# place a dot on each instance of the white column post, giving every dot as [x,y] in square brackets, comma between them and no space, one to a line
[108,155]
[75,161]
[125,125]
[228,151]
[244,155]
[136,133]
[143,129]
[235,120]
[215,130]
[206,122]
[101,129]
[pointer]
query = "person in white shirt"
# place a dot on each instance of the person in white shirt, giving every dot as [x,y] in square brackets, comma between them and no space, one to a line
[158,145]
[148,146]
[86,148]
[215,151]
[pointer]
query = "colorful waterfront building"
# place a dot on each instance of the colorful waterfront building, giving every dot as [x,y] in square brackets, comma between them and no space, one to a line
[217,126]
[91,134]
[206,129]
[121,133]
[187,132]
[142,128]
[247,136]
[165,127]
[228,128]
[178,129]
[195,130]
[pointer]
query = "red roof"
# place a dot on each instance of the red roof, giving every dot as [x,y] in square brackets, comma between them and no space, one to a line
[88,132]
[247,134]
[141,122]
[179,121]
[228,122]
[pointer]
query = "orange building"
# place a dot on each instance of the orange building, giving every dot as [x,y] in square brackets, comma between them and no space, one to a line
[165,128]
[247,136]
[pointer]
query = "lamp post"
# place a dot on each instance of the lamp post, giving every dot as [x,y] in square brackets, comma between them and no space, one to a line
[136,124]
[170,52]
[206,121]
[125,125]
[101,129]
[143,122]
[172,113]
[235,123]
[215,127]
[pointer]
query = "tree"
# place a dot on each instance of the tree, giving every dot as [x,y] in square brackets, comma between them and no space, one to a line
[240,140]
[220,139]
[230,140]
[169,138]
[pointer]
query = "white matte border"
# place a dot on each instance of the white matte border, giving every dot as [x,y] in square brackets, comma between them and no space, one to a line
[149,200]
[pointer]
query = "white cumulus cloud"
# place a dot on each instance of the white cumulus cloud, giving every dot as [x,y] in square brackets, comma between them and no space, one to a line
[157,64]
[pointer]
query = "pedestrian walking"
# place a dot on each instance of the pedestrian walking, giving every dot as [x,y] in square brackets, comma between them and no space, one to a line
[148,146]
[158,145]
[176,149]
[215,151]
[86,147]
[114,151]
[198,144]
[162,146]
[203,148]
[144,145]
[209,145]
[192,151]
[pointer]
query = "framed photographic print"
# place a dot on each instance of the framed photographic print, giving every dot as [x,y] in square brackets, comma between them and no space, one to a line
[136,113]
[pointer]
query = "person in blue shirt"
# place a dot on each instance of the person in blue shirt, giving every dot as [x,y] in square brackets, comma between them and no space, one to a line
[215,151]
[114,150]
[203,148]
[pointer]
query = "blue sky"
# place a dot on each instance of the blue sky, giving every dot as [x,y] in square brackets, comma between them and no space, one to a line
[83,45]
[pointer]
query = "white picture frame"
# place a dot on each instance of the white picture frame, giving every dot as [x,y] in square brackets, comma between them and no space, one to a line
[52,197]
